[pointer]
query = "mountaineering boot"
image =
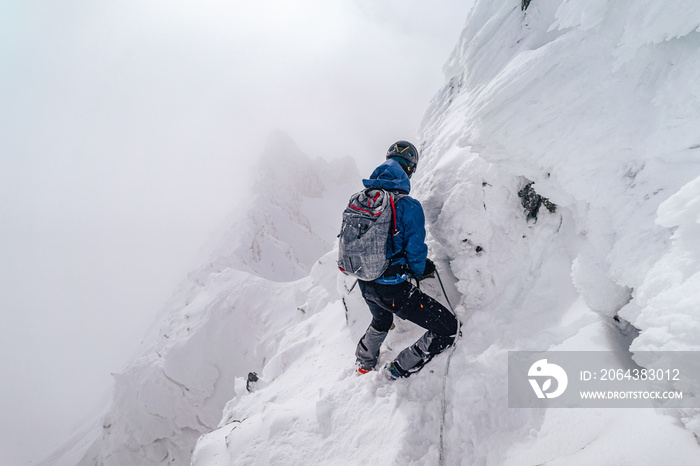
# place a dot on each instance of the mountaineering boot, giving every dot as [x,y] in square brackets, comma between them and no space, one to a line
[393,371]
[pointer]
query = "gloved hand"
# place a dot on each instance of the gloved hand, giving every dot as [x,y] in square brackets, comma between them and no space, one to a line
[429,269]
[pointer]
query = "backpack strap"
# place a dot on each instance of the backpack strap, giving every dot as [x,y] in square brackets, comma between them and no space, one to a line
[393,211]
[393,198]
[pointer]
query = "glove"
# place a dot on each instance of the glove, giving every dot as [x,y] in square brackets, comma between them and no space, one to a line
[429,269]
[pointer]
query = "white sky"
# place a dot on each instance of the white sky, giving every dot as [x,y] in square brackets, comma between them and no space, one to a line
[128,127]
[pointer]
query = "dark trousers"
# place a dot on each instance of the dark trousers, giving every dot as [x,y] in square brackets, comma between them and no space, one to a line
[409,303]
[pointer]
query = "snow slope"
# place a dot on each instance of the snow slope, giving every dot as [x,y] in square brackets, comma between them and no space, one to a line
[597,104]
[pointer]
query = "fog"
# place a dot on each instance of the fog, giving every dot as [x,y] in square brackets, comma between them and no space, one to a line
[127,133]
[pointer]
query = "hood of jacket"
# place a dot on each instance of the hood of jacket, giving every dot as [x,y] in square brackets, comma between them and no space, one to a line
[389,176]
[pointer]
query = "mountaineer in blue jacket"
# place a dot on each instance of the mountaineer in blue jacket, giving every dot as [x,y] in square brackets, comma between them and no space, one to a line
[392,293]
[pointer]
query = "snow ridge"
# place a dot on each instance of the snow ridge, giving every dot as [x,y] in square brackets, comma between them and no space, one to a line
[226,319]
[286,225]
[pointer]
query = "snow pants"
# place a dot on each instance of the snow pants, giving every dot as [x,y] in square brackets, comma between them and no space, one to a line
[409,303]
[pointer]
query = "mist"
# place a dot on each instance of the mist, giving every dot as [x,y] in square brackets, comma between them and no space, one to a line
[128,131]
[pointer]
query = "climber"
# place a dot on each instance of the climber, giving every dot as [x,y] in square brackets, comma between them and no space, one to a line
[393,293]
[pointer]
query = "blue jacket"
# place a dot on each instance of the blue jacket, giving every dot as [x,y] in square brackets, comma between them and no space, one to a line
[409,243]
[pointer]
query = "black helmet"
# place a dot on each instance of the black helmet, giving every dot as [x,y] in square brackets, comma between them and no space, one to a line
[407,155]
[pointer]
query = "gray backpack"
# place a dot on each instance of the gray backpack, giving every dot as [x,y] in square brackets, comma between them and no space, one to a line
[369,221]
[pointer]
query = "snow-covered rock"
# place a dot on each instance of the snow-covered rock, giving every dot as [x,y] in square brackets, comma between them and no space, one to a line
[603,118]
